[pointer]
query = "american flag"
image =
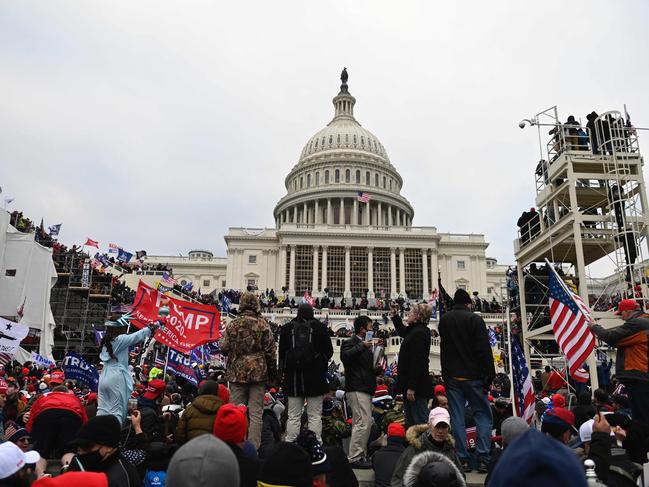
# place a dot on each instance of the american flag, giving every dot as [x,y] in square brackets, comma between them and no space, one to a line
[167,279]
[523,390]
[363,197]
[5,358]
[308,299]
[569,316]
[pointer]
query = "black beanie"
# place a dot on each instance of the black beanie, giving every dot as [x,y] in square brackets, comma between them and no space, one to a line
[102,430]
[305,311]
[287,464]
[209,387]
[461,297]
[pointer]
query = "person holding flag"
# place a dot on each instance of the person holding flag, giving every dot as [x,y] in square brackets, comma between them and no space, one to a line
[632,362]
[115,381]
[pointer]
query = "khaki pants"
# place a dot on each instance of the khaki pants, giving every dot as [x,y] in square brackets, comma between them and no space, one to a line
[361,405]
[313,411]
[252,395]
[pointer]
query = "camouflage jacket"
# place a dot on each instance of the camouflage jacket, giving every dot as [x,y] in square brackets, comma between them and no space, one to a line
[334,430]
[251,350]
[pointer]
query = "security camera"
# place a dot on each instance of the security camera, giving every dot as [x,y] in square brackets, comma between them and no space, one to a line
[521,124]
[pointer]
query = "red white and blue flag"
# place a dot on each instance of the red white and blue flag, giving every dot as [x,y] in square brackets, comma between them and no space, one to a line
[308,299]
[569,316]
[363,197]
[168,279]
[523,389]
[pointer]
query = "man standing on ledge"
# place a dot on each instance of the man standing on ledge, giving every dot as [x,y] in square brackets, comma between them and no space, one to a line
[360,383]
[632,362]
[467,369]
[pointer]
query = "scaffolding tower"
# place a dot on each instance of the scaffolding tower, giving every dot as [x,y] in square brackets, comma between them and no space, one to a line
[80,298]
[591,204]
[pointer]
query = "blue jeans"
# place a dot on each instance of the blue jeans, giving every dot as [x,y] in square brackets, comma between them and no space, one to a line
[460,392]
[415,412]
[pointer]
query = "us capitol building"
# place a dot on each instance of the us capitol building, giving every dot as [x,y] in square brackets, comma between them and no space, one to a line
[344,227]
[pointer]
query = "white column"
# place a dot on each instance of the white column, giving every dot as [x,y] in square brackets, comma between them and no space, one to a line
[348,292]
[355,212]
[402,271]
[324,269]
[341,213]
[291,273]
[398,217]
[305,213]
[393,272]
[379,220]
[314,286]
[330,217]
[295,214]
[424,268]
[370,272]
[389,215]
[433,267]
[367,213]
[281,274]
[316,218]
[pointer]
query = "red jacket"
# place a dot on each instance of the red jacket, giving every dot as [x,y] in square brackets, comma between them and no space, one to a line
[56,400]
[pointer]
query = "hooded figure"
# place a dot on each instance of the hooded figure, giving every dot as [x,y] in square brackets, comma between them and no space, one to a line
[432,469]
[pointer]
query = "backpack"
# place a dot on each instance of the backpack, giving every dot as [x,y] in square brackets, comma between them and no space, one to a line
[301,354]
[155,478]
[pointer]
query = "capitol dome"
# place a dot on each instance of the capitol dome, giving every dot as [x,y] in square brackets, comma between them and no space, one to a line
[344,177]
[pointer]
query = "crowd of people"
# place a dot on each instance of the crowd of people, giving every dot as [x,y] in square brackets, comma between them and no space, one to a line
[281,413]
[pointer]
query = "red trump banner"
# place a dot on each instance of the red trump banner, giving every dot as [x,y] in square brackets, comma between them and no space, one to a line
[187,326]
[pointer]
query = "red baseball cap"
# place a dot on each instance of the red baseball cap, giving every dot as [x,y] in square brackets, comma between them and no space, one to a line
[561,415]
[3,386]
[439,390]
[154,389]
[627,305]
[57,377]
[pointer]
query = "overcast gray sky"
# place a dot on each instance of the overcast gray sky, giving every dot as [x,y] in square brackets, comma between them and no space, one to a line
[157,125]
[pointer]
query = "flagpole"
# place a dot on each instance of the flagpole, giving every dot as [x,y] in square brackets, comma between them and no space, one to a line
[166,363]
[509,356]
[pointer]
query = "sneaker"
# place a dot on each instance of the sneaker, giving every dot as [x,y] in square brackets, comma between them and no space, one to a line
[361,464]
[466,466]
[482,465]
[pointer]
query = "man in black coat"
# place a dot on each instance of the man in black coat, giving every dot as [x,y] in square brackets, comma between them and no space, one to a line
[360,383]
[304,352]
[468,370]
[385,460]
[413,380]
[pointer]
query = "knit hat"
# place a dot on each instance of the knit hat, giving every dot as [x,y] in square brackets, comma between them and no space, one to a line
[231,423]
[13,432]
[224,393]
[286,464]
[205,460]
[308,440]
[102,430]
[432,468]
[57,377]
[538,461]
[396,430]
[249,302]
[327,405]
[512,428]
[13,459]
[558,401]
[461,297]
[87,479]
[381,393]
[439,415]
[155,388]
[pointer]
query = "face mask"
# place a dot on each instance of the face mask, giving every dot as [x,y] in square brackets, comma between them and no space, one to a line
[90,462]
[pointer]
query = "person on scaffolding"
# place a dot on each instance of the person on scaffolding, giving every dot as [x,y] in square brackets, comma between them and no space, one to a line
[632,361]
[115,381]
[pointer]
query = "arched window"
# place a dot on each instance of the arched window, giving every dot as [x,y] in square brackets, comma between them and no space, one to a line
[358,176]
[331,139]
[362,141]
[384,182]
[354,139]
[337,177]
[390,184]
[338,139]
[347,176]
[376,180]
[301,182]
[316,143]
[323,142]
[367,178]
[308,180]
[317,178]
[327,176]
